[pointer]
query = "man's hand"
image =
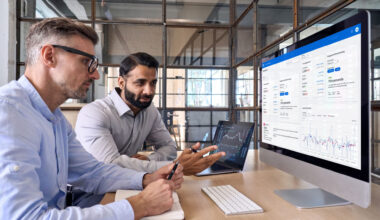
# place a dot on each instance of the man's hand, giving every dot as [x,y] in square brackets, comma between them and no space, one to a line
[155,199]
[140,157]
[163,173]
[195,162]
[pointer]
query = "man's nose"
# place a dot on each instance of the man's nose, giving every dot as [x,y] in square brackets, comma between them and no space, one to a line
[148,89]
[95,75]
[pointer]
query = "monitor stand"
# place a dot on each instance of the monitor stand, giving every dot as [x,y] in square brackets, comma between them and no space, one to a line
[310,198]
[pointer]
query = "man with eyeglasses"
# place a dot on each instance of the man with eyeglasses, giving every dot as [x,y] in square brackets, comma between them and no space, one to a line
[39,153]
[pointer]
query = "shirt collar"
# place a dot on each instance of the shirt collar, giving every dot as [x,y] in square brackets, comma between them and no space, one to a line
[119,103]
[36,100]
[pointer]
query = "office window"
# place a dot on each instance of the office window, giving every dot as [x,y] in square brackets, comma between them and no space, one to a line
[110,78]
[275,18]
[175,87]
[244,37]
[248,116]
[241,6]
[119,40]
[189,127]
[244,87]
[197,46]
[326,22]
[311,8]
[75,9]
[376,161]
[116,10]
[190,11]
[196,134]
[21,70]
[376,89]
[175,122]
[376,143]
[376,71]
[286,43]
[245,116]
[207,88]
[24,29]
[201,125]
[219,116]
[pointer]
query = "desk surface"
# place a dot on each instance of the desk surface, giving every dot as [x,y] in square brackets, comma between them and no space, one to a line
[258,182]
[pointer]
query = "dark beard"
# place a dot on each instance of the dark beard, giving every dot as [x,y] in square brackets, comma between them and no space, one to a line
[130,97]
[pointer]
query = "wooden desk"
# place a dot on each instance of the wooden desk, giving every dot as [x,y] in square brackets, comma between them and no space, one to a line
[258,181]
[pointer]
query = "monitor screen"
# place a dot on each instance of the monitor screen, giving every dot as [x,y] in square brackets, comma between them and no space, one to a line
[315,103]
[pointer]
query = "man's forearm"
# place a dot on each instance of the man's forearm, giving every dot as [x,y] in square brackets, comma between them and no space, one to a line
[139,165]
[168,152]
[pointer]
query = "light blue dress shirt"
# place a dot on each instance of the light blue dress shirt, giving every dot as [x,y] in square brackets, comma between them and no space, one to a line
[39,156]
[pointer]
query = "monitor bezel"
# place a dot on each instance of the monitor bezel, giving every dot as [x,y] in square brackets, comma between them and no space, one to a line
[364,173]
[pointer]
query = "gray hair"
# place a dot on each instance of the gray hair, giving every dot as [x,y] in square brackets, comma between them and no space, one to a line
[52,29]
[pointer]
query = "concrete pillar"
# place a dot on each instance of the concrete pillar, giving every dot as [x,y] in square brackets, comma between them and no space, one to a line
[7,41]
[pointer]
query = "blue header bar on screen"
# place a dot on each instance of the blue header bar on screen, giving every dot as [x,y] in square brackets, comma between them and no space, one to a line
[341,35]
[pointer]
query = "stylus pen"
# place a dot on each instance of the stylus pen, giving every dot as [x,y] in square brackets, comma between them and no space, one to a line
[173,170]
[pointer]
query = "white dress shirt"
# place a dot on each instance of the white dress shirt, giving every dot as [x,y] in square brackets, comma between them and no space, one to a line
[109,130]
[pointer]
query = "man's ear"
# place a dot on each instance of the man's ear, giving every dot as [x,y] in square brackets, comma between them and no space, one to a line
[48,56]
[121,82]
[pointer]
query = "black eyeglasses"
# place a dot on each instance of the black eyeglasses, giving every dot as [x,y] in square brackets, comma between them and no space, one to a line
[94,60]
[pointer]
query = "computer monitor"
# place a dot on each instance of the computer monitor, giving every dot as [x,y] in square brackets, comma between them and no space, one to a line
[315,114]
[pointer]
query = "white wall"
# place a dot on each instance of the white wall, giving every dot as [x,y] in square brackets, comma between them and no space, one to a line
[7,41]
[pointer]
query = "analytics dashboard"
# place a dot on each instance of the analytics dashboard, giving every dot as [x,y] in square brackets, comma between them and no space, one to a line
[311,99]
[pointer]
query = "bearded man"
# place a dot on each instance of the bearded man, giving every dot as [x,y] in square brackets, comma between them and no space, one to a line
[115,128]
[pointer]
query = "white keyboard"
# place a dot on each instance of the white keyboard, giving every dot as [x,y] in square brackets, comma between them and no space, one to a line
[231,201]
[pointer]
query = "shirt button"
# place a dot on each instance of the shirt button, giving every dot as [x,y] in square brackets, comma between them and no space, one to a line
[16,168]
